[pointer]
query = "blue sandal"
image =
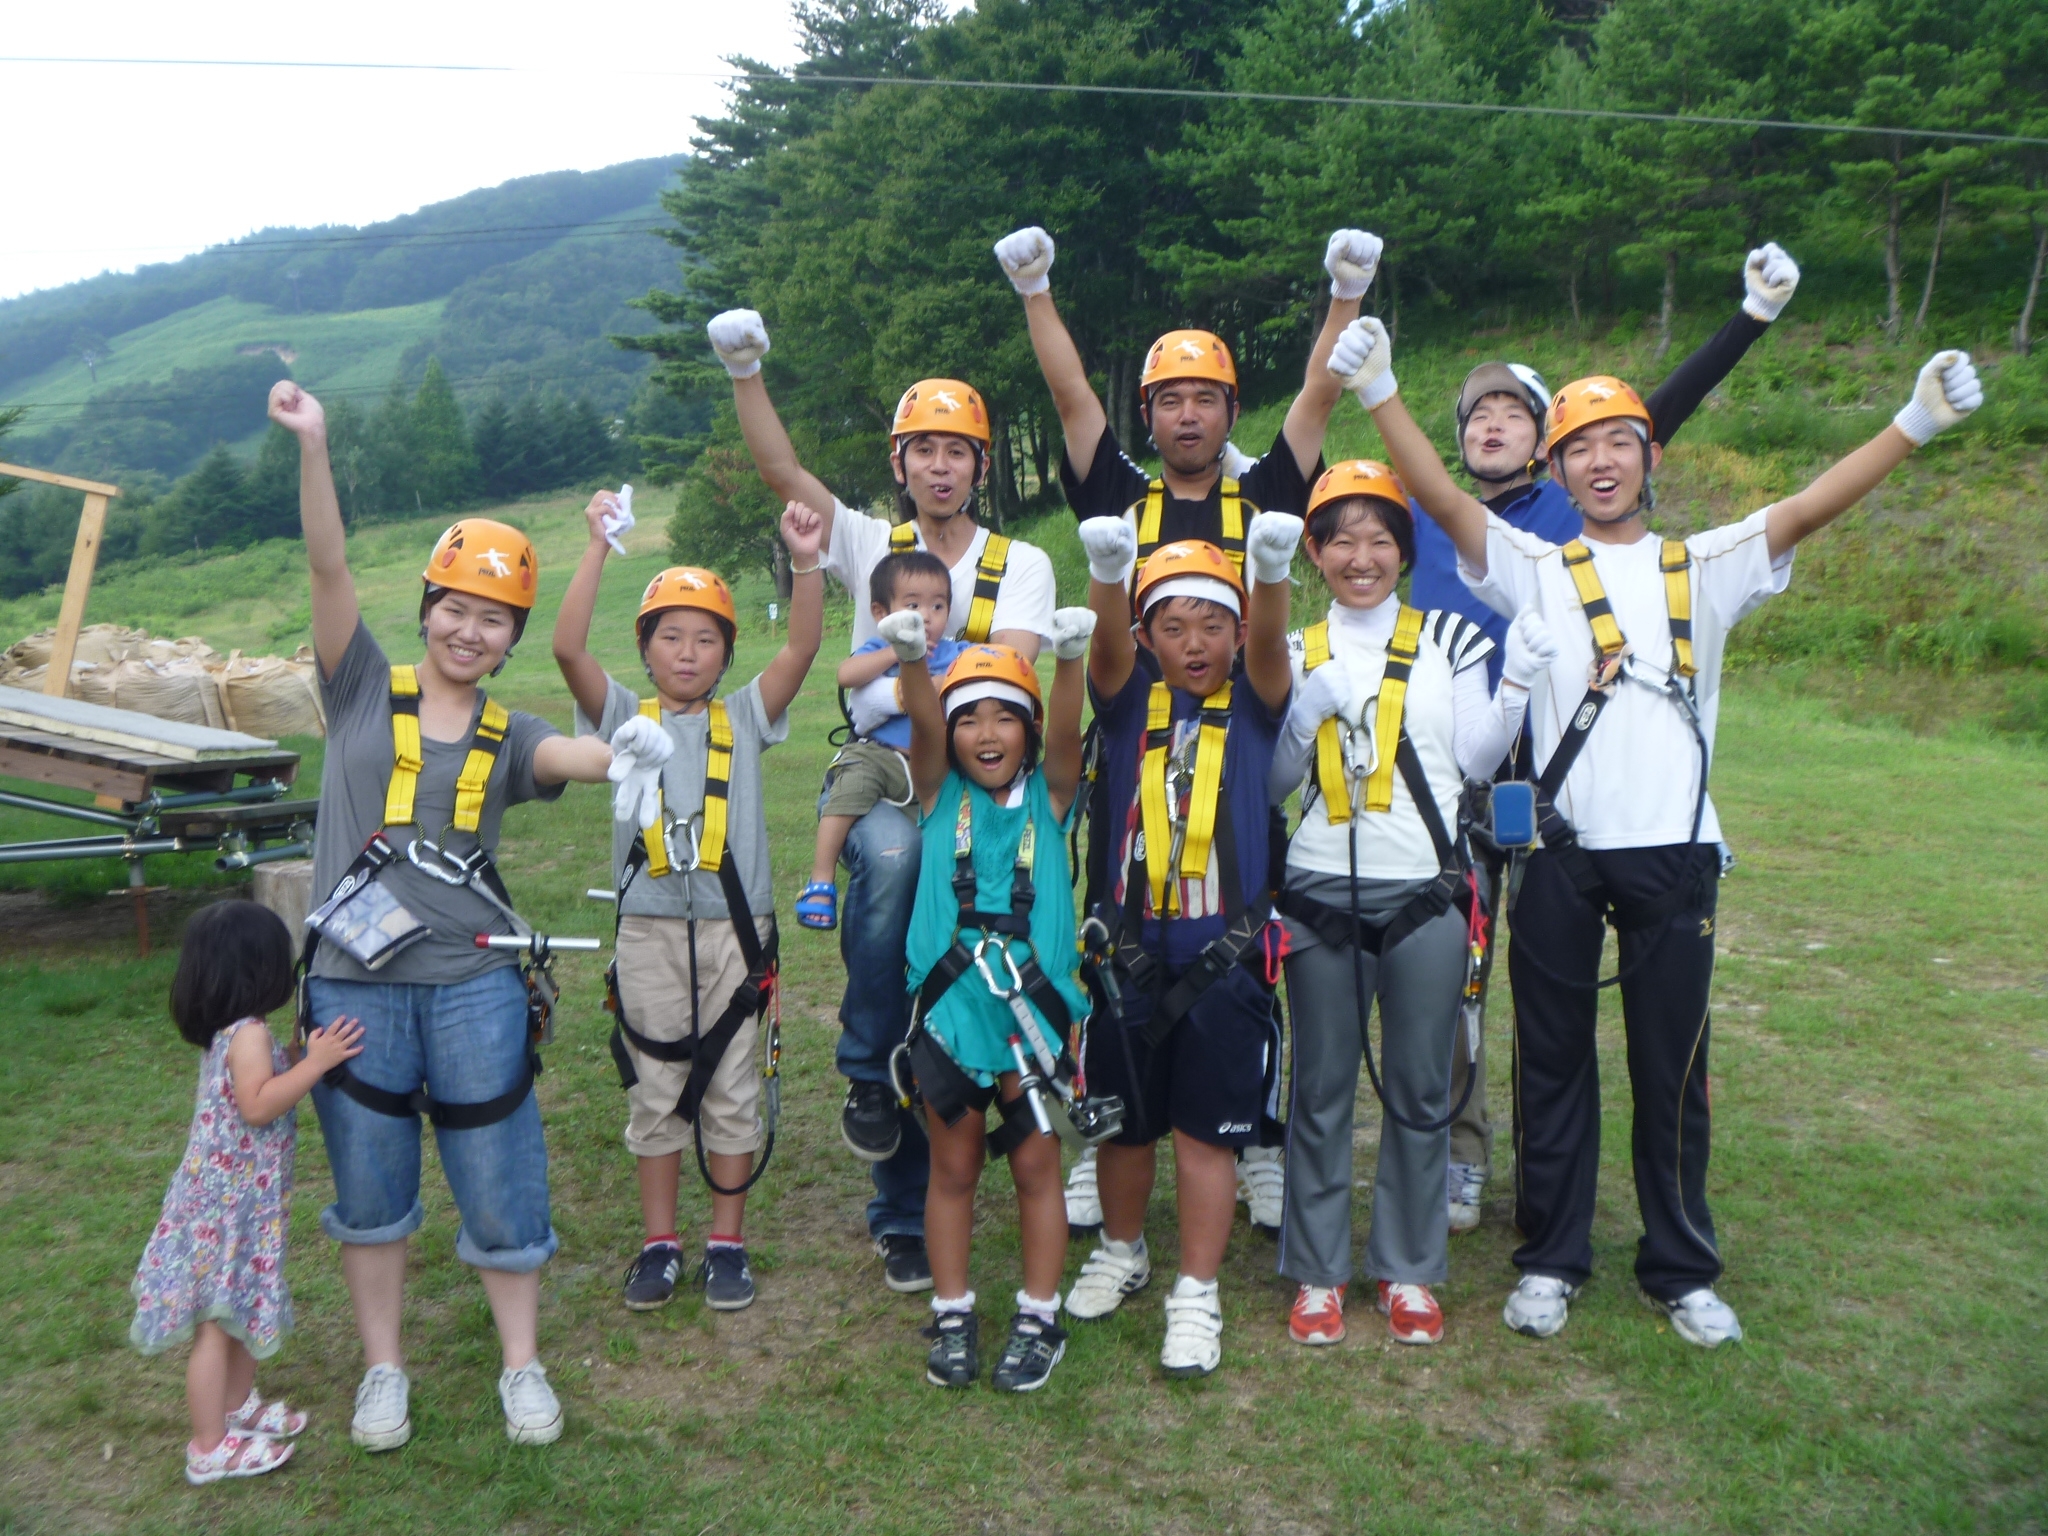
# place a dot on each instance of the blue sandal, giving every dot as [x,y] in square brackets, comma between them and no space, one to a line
[817,905]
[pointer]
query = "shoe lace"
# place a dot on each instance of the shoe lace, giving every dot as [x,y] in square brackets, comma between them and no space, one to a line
[654,1260]
[1318,1298]
[1466,1185]
[528,1391]
[1409,1296]
[381,1391]
[1542,1287]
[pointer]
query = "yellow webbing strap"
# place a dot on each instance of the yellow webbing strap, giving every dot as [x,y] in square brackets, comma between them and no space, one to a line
[1386,727]
[1232,542]
[988,578]
[1329,742]
[717,779]
[1157,815]
[476,768]
[406,758]
[1233,520]
[1578,560]
[903,536]
[1148,519]
[650,837]
[1678,603]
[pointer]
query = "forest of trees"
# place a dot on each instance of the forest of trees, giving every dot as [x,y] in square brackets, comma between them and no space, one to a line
[858,219]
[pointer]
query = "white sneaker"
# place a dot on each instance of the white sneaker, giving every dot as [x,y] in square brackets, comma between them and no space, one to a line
[1113,1271]
[1084,1203]
[1538,1306]
[383,1420]
[533,1415]
[1464,1186]
[1262,1186]
[1701,1317]
[1194,1329]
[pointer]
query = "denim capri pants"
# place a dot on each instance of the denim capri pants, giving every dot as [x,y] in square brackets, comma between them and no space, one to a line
[466,1042]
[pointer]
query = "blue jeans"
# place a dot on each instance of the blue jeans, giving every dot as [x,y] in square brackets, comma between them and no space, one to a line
[881,855]
[466,1042]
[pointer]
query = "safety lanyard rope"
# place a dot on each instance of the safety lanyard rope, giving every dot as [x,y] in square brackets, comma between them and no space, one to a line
[1156,805]
[717,780]
[988,579]
[408,756]
[1232,521]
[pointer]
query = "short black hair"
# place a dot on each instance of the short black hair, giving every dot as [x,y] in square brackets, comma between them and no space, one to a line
[1145,620]
[1332,517]
[434,594]
[1033,743]
[236,963]
[893,567]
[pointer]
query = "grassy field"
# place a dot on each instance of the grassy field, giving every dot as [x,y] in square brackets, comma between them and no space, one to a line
[1879,1069]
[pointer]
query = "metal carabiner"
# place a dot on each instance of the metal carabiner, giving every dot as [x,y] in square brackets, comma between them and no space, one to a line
[687,826]
[446,867]
[980,952]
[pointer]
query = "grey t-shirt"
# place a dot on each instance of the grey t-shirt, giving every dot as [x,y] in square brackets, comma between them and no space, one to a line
[353,784]
[682,792]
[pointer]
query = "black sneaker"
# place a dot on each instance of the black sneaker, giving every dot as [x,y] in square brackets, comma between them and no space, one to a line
[728,1283]
[870,1125]
[1034,1348]
[905,1265]
[954,1360]
[651,1277]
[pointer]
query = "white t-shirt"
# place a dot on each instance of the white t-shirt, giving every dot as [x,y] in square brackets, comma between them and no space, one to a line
[1025,600]
[1637,779]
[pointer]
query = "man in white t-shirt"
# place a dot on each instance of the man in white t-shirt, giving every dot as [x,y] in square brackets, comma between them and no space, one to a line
[1004,591]
[1623,722]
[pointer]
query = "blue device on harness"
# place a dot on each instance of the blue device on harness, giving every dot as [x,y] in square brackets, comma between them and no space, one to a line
[1514,813]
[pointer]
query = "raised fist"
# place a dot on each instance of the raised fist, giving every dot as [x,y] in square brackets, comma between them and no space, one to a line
[1269,545]
[1531,649]
[904,631]
[740,340]
[1071,629]
[1351,259]
[1770,276]
[1364,359]
[1946,391]
[1112,548]
[1026,257]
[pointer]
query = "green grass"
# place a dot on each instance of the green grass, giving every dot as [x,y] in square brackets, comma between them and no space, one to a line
[1880,1060]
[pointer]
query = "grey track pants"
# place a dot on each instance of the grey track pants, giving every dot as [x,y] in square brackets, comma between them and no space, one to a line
[1418,986]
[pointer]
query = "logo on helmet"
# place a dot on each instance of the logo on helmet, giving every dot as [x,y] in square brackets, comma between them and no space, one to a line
[495,559]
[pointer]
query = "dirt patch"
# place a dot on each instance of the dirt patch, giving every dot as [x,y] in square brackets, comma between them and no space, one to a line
[35,924]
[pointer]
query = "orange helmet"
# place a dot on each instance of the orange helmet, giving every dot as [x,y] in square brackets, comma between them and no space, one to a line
[1190,568]
[940,405]
[990,672]
[1585,401]
[1188,355]
[689,586]
[1357,477]
[485,559]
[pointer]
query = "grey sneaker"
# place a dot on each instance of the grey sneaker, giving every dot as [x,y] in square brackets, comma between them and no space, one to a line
[728,1283]
[383,1420]
[533,1415]
[651,1278]
[1464,1188]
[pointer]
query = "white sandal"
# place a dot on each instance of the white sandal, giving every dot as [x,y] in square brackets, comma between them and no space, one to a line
[237,1455]
[278,1420]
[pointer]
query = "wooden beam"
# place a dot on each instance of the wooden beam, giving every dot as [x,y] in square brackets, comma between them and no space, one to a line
[85,554]
[45,477]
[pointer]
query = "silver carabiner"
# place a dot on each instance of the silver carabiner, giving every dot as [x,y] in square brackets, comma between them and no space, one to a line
[687,827]
[446,867]
[1016,986]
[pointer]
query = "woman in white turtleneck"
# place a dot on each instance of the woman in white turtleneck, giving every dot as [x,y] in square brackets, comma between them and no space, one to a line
[1378,858]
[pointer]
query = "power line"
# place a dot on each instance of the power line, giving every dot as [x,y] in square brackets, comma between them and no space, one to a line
[752,77]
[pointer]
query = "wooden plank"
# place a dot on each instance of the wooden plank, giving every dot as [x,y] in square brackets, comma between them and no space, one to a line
[120,784]
[85,555]
[45,477]
[98,724]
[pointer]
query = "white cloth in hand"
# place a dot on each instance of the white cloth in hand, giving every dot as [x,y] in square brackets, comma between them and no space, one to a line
[1770,276]
[1946,391]
[904,631]
[639,748]
[617,524]
[1351,259]
[1112,548]
[740,339]
[1026,257]
[1071,629]
[1364,359]
[1531,649]
[1269,545]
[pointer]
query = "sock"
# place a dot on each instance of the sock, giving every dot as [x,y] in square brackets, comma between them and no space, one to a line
[720,1240]
[1188,1285]
[668,1239]
[942,1306]
[1047,1312]
[1134,1249]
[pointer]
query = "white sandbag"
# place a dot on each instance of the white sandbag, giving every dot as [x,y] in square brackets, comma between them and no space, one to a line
[267,696]
[170,690]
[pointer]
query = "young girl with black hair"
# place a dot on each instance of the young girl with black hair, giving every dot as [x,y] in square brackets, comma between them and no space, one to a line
[213,1271]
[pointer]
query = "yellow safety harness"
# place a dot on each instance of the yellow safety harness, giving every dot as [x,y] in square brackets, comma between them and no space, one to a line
[1163,860]
[717,779]
[1674,561]
[988,577]
[1232,523]
[1331,782]
[407,757]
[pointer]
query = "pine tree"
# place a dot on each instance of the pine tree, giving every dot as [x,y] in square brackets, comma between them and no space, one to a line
[445,463]
[490,433]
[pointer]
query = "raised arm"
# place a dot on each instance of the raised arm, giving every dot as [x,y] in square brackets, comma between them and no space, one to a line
[802,528]
[1351,259]
[1071,628]
[920,697]
[1026,258]
[587,679]
[1112,546]
[1269,546]
[335,613]
[1770,276]
[741,341]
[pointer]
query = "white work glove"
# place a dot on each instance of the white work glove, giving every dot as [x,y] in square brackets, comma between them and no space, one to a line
[1071,628]
[905,631]
[618,523]
[1351,259]
[1946,391]
[1236,461]
[1770,276]
[1269,545]
[1026,256]
[1112,548]
[740,340]
[639,748]
[1325,694]
[1364,359]
[1531,649]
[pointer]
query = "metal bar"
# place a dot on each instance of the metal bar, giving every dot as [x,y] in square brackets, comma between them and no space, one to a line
[519,941]
[113,844]
[248,794]
[248,859]
[94,850]
[60,808]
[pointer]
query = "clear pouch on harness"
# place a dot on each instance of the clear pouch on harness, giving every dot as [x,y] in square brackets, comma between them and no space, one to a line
[366,922]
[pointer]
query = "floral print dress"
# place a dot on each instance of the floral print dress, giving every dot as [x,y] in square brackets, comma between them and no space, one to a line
[217,1254]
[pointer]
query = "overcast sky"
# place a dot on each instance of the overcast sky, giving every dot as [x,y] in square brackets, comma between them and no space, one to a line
[111,166]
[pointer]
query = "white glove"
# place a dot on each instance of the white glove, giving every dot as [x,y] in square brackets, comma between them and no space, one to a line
[1325,693]
[1364,359]
[643,740]
[1351,259]
[1071,628]
[905,631]
[619,523]
[1770,276]
[639,748]
[1946,391]
[1269,545]
[1112,548]
[1531,649]
[1026,256]
[740,340]
[1236,461]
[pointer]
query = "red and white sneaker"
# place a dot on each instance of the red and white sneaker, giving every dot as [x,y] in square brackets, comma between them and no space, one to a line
[1318,1315]
[1413,1317]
